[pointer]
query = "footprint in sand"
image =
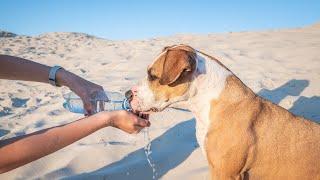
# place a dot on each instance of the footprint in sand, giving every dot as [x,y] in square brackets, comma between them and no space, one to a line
[55,112]
[19,102]
[3,132]
[7,49]
[105,63]
[82,70]
[6,111]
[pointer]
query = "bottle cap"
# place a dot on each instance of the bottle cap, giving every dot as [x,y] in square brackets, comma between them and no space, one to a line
[126,105]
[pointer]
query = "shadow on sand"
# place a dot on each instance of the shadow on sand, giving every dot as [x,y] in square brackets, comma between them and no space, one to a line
[308,107]
[168,151]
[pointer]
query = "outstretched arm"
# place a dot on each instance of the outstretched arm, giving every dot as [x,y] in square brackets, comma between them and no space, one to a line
[21,150]
[15,68]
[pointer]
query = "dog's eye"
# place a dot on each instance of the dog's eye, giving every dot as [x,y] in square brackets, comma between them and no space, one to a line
[151,77]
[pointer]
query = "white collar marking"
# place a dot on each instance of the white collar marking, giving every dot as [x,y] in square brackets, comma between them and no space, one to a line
[208,84]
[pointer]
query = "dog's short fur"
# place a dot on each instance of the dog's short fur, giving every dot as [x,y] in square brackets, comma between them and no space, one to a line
[243,135]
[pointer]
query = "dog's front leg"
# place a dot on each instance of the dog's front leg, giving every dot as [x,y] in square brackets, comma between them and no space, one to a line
[229,154]
[215,174]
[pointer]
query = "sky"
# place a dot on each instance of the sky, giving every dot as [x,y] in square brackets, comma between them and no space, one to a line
[141,19]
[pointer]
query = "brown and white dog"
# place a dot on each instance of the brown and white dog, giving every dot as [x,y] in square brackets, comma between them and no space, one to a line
[243,135]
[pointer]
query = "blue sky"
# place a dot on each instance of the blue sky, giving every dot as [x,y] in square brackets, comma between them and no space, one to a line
[136,19]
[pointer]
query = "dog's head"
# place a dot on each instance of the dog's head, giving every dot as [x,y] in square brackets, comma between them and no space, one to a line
[168,79]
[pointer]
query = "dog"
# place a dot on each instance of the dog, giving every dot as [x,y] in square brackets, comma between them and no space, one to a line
[243,136]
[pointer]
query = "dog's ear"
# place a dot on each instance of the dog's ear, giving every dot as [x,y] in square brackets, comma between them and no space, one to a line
[176,63]
[179,46]
[167,48]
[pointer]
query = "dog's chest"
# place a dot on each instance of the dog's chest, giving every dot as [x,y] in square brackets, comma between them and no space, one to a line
[202,126]
[201,132]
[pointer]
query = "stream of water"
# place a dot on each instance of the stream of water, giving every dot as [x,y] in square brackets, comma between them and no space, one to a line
[147,151]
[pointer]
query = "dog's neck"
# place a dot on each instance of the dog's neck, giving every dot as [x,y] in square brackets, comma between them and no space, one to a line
[209,82]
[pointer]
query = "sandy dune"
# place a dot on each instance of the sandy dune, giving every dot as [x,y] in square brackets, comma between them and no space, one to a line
[280,65]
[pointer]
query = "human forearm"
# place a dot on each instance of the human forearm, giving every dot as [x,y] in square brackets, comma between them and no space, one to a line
[22,150]
[19,151]
[15,68]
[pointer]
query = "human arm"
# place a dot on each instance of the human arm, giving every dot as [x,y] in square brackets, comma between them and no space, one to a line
[15,68]
[19,151]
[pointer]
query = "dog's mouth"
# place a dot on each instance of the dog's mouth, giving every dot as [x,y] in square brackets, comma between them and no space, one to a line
[153,109]
[144,114]
[149,111]
[130,97]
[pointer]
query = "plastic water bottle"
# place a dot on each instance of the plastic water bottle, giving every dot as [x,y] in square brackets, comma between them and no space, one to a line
[104,101]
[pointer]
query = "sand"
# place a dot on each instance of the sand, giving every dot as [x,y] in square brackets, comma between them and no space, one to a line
[280,65]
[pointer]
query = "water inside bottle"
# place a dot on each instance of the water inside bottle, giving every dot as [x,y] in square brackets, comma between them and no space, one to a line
[73,103]
[105,101]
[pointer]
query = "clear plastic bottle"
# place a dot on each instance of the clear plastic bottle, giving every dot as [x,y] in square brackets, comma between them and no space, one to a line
[113,101]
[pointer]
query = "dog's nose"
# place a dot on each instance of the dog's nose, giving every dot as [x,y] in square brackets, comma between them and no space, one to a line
[129,95]
[134,89]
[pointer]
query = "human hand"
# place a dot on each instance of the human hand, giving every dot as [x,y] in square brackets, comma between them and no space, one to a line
[126,121]
[88,92]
